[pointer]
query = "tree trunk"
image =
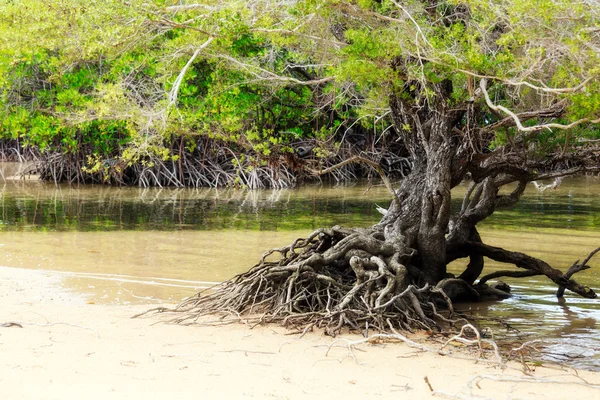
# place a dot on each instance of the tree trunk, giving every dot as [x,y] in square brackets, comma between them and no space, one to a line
[423,209]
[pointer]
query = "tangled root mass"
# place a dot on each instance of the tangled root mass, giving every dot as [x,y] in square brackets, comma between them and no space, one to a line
[334,278]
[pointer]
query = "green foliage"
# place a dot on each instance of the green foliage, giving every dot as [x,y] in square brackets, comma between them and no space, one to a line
[96,77]
[90,94]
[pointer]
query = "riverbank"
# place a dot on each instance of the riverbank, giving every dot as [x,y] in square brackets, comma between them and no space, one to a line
[68,349]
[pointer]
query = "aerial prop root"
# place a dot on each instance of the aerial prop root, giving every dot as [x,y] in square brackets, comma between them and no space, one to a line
[334,278]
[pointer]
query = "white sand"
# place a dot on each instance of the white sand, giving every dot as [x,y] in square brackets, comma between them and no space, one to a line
[68,349]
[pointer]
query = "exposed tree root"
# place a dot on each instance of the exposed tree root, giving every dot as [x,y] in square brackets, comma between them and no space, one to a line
[332,279]
[487,350]
[359,279]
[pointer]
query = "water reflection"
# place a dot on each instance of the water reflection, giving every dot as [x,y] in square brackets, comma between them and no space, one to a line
[567,329]
[40,207]
[34,206]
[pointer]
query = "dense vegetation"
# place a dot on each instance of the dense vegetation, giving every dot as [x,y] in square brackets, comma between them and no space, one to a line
[238,93]
[117,92]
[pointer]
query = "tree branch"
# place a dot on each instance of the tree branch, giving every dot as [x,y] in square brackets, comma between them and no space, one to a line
[511,274]
[177,84]
[553,111]
[295,33]
[270,76]
[565,172]
[527,262]
[174,24]
[575,268]
[190,7]
[515,117]
[404,10]
[529,84]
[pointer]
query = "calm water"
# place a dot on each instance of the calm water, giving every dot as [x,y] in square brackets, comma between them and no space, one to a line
[129,245]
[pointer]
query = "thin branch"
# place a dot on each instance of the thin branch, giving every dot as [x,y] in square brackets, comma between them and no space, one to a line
[530,379]
[190,7]
[293,32]
[565,172]
[510,274]
[535,128]
[270,76]
[529,84]
[59,323]
[461,338]
[176,85]
[176,25]
[510,82]
[554,111]
[412,20]
[589,257]
[575,268]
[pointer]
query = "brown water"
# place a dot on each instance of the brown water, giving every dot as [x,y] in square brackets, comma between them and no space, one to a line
[129,245]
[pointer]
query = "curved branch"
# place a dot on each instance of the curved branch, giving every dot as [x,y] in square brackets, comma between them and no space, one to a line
[510,274]
[176,85]
[476,262]
[555,110]
[515,117]
[508,166]
[513,197]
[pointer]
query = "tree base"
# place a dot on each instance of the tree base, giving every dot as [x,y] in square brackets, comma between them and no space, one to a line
[332,279]
[360,279]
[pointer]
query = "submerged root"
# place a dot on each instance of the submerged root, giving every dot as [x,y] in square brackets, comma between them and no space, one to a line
[333,279]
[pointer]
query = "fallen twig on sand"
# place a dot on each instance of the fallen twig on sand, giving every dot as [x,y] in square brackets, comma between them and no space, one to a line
[59,323]
[475,380]
[530,379]
[478,341]
[350,345]
[525,349]
[11,325]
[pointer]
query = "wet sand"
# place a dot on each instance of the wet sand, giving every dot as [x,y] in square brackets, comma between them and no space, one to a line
[70,349]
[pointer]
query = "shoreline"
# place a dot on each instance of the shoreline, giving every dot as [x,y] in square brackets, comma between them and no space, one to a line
[68,349]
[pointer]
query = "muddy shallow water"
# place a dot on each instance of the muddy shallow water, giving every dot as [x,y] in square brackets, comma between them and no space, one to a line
[130,245]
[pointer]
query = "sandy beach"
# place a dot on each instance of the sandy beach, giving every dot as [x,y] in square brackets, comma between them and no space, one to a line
[69,349]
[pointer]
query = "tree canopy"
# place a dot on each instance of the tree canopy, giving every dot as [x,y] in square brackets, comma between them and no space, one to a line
[138,83]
